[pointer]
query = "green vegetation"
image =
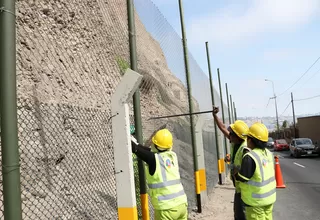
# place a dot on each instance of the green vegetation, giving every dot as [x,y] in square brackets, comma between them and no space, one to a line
[284,124]
[123,65]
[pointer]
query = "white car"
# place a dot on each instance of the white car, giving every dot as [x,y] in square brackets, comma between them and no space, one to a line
[270,143]
[303,146]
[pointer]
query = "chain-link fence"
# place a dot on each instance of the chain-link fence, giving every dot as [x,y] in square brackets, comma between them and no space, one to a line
[70,57]
[164,91]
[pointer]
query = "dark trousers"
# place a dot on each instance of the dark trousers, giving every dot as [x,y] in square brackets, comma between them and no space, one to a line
[238,207]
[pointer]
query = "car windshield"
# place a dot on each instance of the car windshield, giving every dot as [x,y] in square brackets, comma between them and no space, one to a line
[270,139]
[303,141]
[281,141]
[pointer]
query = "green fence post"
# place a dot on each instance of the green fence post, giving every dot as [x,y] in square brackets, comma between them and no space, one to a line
[232,113]
[227,93]
[213,103]
[235,111]
[137,109]
[8,110]
[192,125]
[222,110]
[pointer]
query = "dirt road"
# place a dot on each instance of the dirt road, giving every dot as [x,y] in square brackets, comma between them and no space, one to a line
[219,206]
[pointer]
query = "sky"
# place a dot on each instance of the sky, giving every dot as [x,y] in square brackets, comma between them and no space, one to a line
[252,41]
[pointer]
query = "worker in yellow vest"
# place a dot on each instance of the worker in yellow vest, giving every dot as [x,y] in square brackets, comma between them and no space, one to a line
[257,176]
[236,133]
[162,172]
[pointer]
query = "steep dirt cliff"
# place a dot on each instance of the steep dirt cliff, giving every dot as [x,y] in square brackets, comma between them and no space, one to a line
[70,58]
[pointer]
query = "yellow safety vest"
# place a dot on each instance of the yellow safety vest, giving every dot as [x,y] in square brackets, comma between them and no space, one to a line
[237,162]
[165,188]
[260,190]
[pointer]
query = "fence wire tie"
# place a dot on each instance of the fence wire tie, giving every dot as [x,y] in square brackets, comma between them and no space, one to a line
[3,9]
[118,172]
[112,116]
[133,34]
[10,168]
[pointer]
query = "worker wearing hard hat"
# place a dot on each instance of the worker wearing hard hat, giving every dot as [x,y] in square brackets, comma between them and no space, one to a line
[236,133]
[257,176]
[165,189]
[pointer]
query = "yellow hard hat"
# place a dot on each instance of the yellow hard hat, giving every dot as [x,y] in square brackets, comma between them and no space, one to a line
[163,138]
[240,128]
[259,131]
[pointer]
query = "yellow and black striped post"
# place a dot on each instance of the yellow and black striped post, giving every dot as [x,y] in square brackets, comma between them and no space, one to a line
[202,186]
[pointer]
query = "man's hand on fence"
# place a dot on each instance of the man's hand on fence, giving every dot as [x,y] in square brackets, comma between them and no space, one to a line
[227,158]
[215,110]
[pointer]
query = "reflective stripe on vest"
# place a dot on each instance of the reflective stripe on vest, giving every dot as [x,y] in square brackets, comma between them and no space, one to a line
[171,196]
[263,182]
[165,188]
[165,182]
[259,191]
[238,160]
[264,195]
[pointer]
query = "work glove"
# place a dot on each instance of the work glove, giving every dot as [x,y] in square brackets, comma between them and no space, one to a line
[134,144]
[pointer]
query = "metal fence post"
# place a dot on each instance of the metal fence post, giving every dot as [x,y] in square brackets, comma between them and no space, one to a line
[222,110]
[227,94]
[192,126]
[8,109]
[137,109]
[213,103]
[232,114]
[201,161]
[235,111]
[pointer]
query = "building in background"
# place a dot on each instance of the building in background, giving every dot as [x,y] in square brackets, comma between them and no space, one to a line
[309,127]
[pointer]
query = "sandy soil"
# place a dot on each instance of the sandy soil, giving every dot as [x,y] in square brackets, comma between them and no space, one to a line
[219,205]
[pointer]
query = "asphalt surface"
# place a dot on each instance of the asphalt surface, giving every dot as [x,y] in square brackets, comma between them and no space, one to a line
[300,200]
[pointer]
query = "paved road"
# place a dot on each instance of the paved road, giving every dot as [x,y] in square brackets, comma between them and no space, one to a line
[300,200]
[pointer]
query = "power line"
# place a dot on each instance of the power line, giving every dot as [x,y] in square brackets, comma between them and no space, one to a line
[268,102]
[296,100]
[300,77]
[286,108]
[315,73]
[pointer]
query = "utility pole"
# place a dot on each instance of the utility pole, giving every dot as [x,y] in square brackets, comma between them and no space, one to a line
[275,101]
[294,117]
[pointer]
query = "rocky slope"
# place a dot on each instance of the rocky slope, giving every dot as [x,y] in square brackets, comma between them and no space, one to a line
[70,58]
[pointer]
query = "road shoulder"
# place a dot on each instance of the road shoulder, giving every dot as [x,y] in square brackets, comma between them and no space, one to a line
[219,205]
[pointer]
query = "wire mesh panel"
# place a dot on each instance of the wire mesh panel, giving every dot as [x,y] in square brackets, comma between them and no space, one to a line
[70,58]
[66,162]
[163,91]
[210,156]
[202,92]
